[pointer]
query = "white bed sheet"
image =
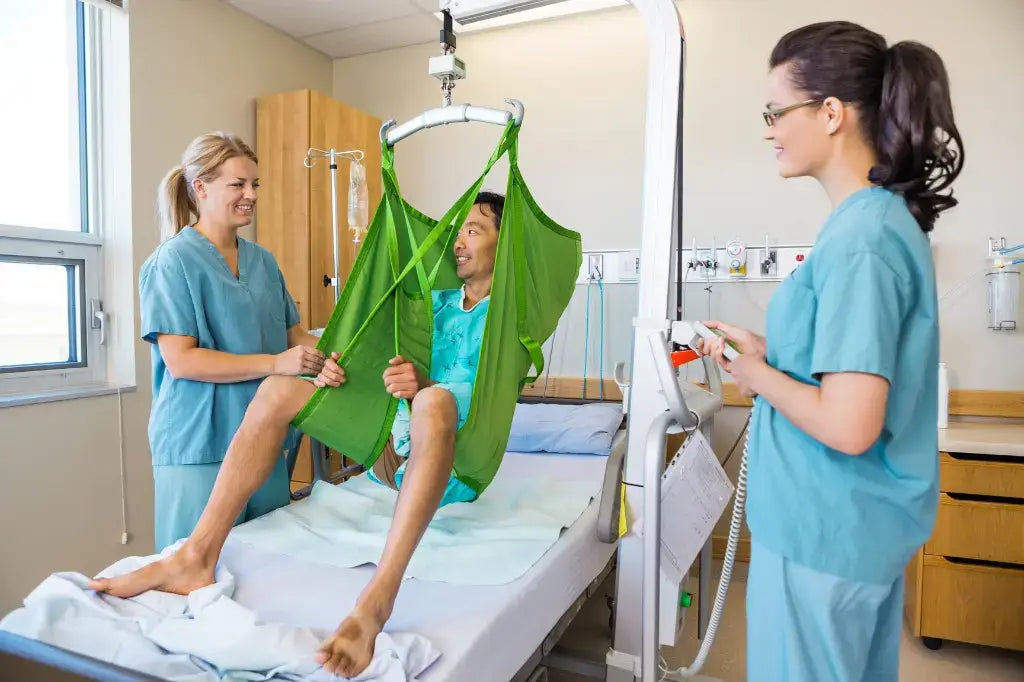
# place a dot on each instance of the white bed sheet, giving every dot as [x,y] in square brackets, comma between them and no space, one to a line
[484,632]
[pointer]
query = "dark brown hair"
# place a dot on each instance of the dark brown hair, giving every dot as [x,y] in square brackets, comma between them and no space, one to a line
[902,93]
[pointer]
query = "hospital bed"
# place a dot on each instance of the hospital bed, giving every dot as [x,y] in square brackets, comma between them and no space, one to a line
[492,632]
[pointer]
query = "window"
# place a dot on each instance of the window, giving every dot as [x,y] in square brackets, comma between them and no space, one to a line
[44,128]
[40,300]
[52,223]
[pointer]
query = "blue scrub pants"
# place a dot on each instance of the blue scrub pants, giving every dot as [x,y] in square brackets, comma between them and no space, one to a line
[181,493]
[806,626]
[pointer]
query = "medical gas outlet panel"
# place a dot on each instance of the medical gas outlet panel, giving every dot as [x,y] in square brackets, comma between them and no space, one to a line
[718,261]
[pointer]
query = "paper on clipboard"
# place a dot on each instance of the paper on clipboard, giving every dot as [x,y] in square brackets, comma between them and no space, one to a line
[695,490]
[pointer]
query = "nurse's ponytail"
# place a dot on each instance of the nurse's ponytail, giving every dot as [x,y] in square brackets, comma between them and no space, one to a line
[176,199]
[902,94]
[175,206]
[919,148]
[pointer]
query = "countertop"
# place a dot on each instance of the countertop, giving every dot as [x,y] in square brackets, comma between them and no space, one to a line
[983,438]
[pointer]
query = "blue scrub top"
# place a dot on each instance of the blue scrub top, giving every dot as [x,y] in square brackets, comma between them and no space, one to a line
[863,301]
[186,288]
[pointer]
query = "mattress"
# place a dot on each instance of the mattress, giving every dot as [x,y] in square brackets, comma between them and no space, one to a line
[485,632]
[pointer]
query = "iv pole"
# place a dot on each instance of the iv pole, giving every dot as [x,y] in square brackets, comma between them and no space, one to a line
[320,451]
[356,156]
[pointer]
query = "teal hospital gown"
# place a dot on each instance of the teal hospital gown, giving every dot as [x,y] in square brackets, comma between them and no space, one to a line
[458,336]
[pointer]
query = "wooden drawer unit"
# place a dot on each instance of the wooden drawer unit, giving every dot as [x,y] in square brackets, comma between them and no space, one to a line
[981,475]
[967,583]
[978,529]
[973,603]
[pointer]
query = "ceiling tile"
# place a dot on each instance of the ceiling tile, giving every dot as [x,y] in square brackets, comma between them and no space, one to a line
[383,35]
[428,5]
[303,18]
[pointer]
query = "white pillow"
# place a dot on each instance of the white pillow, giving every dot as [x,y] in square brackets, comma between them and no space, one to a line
[585,429]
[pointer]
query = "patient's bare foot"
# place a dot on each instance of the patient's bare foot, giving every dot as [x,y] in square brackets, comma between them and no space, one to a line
[180,573]
[349,651]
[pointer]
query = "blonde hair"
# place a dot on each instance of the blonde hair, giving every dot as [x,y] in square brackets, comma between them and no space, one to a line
[176,200]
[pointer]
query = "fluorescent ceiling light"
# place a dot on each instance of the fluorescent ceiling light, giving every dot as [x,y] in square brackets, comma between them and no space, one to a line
[552,10]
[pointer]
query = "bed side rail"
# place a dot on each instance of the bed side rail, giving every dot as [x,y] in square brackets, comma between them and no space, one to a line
[608,512]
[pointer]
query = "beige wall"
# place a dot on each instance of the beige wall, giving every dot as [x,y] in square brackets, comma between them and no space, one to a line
[196,65]
[583,83]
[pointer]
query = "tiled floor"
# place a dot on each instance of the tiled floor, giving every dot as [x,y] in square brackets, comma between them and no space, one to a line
[952,663]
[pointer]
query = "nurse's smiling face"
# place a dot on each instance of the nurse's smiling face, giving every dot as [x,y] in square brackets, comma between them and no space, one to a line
[798,129]
[229,198]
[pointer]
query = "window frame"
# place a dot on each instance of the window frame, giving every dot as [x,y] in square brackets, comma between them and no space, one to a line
[84,246]
[91,367]
[78,339]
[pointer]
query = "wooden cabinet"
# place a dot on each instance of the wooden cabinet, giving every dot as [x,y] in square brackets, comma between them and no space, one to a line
[967,582]
[294,210]
[972,602]
[293,219]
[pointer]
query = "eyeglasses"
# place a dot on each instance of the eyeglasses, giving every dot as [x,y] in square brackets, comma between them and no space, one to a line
[773,115]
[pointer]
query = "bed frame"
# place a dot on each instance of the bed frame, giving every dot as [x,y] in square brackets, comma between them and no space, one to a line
[27,659]
[41,661]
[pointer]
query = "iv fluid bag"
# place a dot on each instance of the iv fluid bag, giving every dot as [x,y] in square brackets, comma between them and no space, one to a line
[358,209]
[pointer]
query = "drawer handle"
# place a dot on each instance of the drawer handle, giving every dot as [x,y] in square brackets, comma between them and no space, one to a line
[997,459]
[983,563]
[969,497]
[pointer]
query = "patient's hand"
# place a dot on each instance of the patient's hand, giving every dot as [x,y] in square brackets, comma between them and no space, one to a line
[402,379]
[332,374]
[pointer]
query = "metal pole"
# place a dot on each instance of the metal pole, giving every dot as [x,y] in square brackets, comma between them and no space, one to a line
[653,465]
[334,223]
[664,34]
[705,596]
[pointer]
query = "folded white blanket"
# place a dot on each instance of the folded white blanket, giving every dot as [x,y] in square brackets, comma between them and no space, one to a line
[492,541]
[205,636]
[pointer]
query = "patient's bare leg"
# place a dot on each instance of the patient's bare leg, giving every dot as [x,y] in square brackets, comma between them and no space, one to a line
[433,425]
[250,459]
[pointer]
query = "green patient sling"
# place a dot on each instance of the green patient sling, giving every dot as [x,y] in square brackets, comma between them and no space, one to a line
[386,309]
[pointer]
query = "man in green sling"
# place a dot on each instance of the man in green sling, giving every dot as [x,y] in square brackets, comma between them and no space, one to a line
[417,460]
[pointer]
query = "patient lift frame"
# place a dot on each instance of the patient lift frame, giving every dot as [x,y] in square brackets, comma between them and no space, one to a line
[657,403]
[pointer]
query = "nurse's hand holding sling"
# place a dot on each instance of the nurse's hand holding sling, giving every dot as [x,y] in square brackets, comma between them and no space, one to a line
[185,360]
[298,360]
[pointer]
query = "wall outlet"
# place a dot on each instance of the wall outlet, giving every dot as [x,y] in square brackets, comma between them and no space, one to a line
[595,266]
[629,266]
